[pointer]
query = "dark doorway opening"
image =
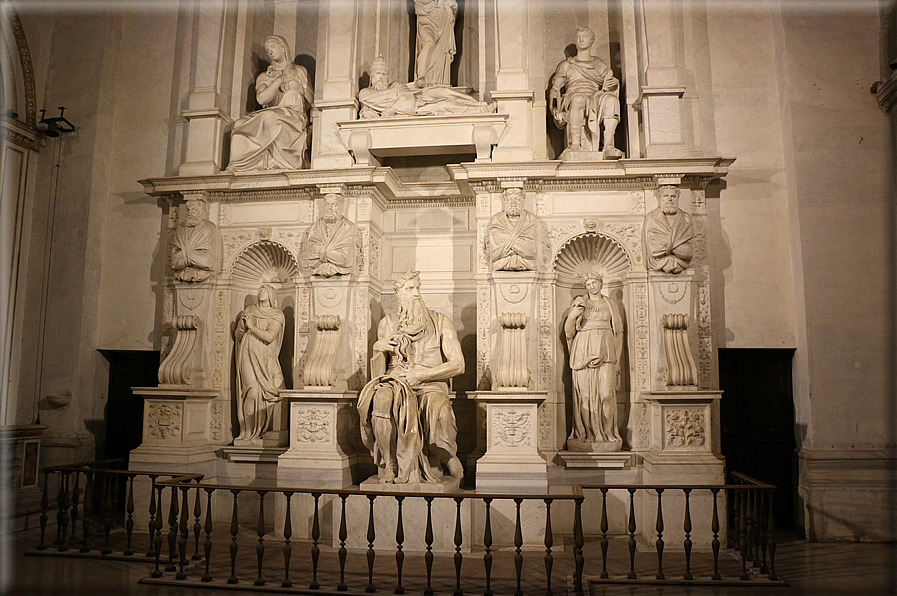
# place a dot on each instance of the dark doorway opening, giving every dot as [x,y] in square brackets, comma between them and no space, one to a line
[757,419]
[124,410]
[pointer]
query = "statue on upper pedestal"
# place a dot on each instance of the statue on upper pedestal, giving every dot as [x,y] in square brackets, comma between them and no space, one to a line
[275,137]
[668,234]
[513,234]
[258,337]
[383,99]
[330,247]
[584,95]
[435,48]
[194,244]
[406,417]
[594,331]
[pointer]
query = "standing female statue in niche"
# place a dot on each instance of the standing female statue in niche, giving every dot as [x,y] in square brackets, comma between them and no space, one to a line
[275,137]
[435,47]
[594,331]
[258,337]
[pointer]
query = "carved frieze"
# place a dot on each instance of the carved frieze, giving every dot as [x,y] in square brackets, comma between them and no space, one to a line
[362,318]
[164,421]
[484,319]
[685,428]
[546,425]
[216,424]
[705,341]
[559,233]
[546,345]
[641,334]
[629,234]
[232,241]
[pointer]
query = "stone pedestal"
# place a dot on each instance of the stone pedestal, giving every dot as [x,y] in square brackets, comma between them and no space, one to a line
[21,445]
[512,462]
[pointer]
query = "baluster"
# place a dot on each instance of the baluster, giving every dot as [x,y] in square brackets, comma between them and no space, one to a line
[765,504]
[129,511]
[287,549]
[372,535]
[172,529]
[518,542]
[686,526]
[152,515]
[714,527]
[107,512]
[604,526]
[758,529]
[341,586]
[771,529]
[62,518]
[458,539]
[742,535]
[315,551]
[400,539]
[549,542]
[207,546]
[113,486]
[197,526]
[75,502]
[734,495]
[578,542]
[632,529]
[157,531]
[659,527]
[44,508]
[87,511]
[487,542]
[260,530]
[234,528]
[749,516]
[184,533]
[428,538]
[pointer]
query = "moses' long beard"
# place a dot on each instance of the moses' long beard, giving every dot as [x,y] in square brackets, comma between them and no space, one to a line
[412,315]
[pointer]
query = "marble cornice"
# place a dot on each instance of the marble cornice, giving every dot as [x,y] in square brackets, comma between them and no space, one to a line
[390,192]
[22,134]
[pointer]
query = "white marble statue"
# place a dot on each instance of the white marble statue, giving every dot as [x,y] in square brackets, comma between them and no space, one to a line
[258,337]
[513,234]
[406,417]
[668,234]
[330,247]
[383,99]
[583,97]
[194,244]
[594,331]
[435,48]
[275,137]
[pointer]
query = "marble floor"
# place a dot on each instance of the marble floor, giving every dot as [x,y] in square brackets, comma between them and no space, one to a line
[809,568]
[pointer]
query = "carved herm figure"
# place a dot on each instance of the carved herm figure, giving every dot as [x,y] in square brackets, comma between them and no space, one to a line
[406,417]
[330,248]
[669,232]
[194,244]
[513,234]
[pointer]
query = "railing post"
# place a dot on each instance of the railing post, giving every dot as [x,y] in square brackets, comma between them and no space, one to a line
[341,586]
[487,542]
[632,529]
[184,534]
[62,501]
[260,530]
[371,536]
[207,546]
[714,527]
[400,539]
[129,511]
[428,538]
[172,530]
[549,542]
[107,512]
[765,504]
[771,525]
[287,549]
[197,526]
[234,528]
[74,515]
[578,542]
[152,515]
[44,508]
[315,551]
[604,527]
[157,542]
[659,528]
[87,511]
[742,535]
[518,542]
[459,537]
[686,527]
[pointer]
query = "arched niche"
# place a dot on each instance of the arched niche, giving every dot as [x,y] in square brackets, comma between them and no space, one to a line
[592,251]
[264,262]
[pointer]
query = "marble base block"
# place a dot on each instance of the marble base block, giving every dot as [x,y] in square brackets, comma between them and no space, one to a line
[593,446]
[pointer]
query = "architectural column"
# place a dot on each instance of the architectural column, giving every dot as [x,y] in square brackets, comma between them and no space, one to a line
[336,85]
[513,92]
[211,79]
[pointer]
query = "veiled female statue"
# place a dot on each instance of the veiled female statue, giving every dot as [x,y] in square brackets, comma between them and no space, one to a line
[594,331]
[435,40]
[258,337]
[275,137]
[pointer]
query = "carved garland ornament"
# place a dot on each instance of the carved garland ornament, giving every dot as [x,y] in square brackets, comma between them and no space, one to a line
[215,426]
[484,309]
[312,425]
[705,342]
[361,326]
[642,374]
[630,235]
[546,345]
[684,428]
